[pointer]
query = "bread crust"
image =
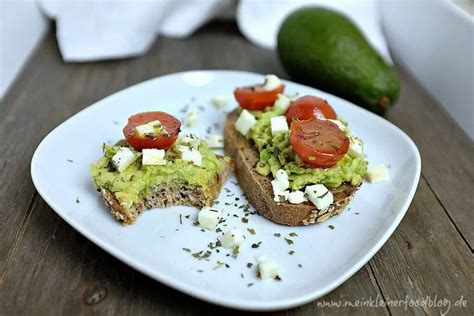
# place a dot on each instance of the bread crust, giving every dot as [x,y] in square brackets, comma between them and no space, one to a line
[159,196]
[258,188]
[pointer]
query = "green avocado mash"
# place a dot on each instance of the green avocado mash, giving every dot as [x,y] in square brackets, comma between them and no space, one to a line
[136,181]
[276,153]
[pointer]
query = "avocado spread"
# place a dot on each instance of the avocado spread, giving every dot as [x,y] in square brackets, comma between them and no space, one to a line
[276,153]
[134,182]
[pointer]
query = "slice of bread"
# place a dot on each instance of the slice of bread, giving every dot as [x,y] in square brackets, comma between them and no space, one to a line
[169,195]
[258,188]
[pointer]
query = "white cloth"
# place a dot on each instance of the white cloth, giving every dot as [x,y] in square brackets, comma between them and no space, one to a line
[111,29]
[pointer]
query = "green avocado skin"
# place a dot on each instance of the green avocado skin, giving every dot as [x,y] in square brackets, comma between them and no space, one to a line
[324,49]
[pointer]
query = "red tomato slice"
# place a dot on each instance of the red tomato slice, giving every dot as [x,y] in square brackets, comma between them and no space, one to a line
[307,107]
[254,98]
[139,142]
[319,143]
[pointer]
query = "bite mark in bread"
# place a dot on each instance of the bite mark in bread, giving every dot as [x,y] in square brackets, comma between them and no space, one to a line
[165,196]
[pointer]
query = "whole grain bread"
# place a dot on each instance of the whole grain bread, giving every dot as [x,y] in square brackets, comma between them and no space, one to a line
[258,188]
[168,195]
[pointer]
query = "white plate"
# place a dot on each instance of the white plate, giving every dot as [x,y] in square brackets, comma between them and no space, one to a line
[153,245]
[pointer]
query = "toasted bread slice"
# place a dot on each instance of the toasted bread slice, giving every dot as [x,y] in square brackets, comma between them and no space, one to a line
[258,188]
[164,196]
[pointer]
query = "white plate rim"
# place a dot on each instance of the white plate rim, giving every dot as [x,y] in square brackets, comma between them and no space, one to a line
[182,286]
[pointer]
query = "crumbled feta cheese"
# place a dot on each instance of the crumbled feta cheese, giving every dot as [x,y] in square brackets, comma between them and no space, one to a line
[123,158]
[339,124]
[245,122]
[271,82]
[220,101]
[280,196]
[378,173]
[297,197]
[319,195]
[191,140]
[282,102]
[280,186]
[215,141]
[191,154]
[191,117]
[278,124]
[356,145]
[148,128]
[281,178]
[232,238]
[153,157]
[267,268]
[208,217]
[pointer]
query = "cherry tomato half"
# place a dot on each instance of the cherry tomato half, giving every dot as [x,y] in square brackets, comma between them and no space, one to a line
[319,143]
[307,107]
[169,122]
[255,98]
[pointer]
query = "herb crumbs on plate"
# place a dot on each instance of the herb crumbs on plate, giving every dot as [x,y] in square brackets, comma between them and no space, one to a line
[291,252]
[187,249]
[70,160]
[292,234]
[200,271]
[251,231]
[289,241]
[331,226]
[256,245]
[250,284]
[245,220]
[187,216]
[235,252]
[249,265]
[277,234]
[77,200]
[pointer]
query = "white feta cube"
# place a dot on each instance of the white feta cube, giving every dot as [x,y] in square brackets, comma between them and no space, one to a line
[280,186]
[356,145]
[123,158]
[208,217]
[220,101]
[192,140]
[267,268]
[191,117]
[320,196]
[297,197]
[232,238]
[281,180]
[153,157]
[245,122]
[278,124]
[282,102]
[271,82]
[191,154]
[378,173]
[280,196]
[215,141]
[148,128]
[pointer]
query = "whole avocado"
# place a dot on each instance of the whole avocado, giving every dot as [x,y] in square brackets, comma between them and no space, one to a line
[325,49]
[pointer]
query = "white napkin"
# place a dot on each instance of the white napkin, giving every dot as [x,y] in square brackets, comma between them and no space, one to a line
[95,30]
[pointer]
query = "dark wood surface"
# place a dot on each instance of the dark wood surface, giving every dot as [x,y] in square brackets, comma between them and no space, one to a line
[46,267]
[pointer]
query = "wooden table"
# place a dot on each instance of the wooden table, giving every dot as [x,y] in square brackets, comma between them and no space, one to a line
[48,268]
